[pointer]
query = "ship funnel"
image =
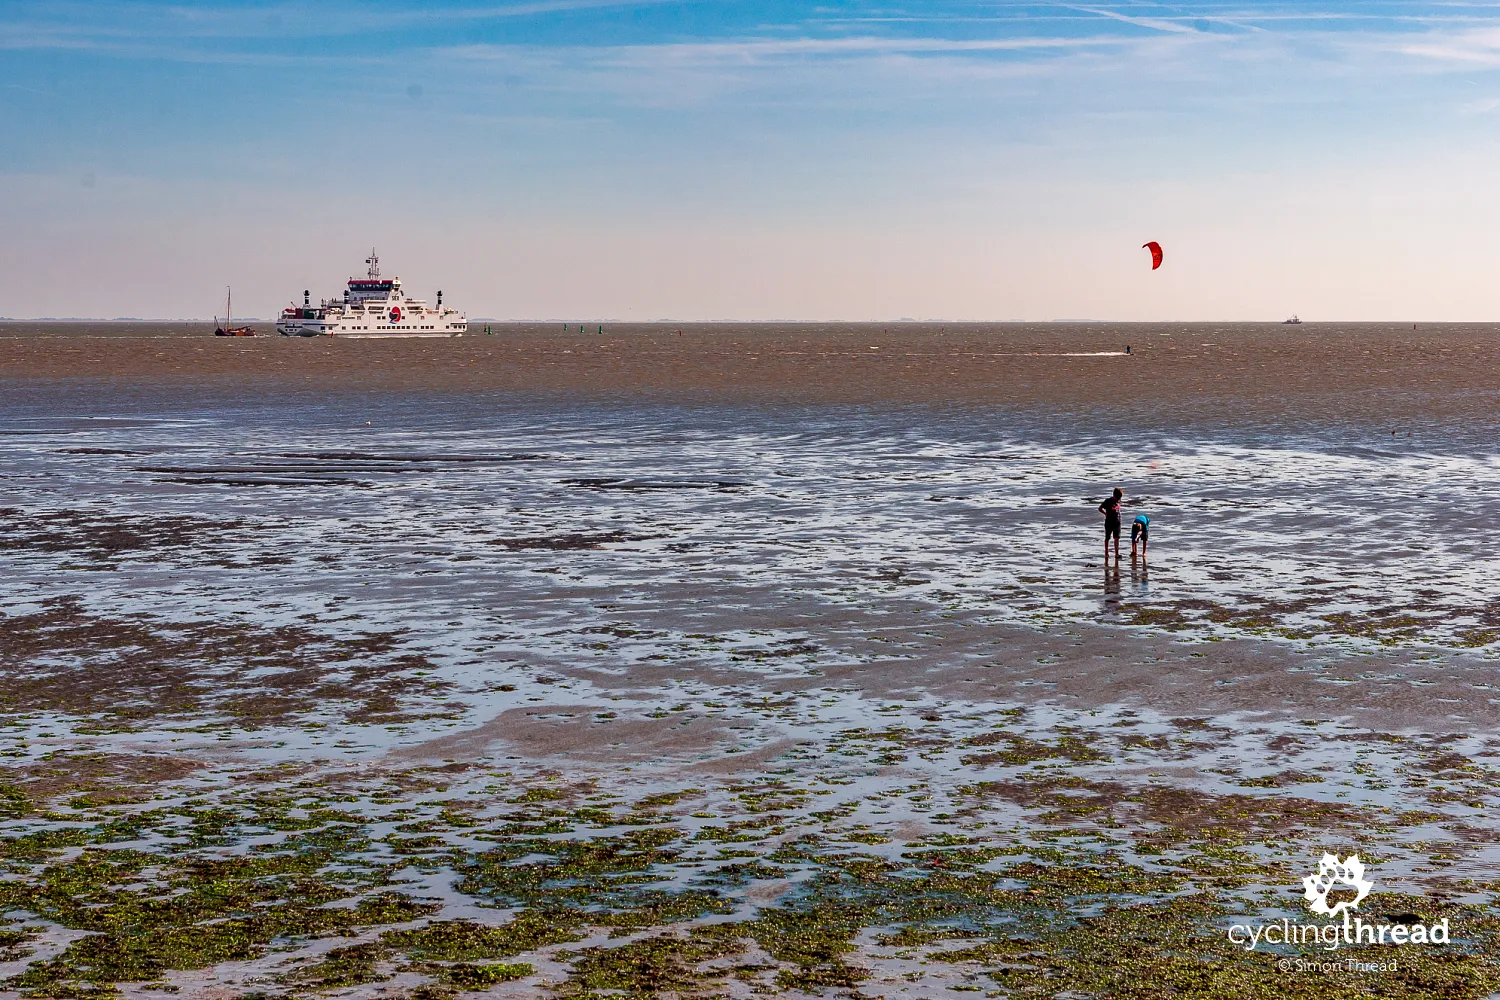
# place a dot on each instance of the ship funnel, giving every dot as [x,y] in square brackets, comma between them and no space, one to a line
[306,297]
[440,298]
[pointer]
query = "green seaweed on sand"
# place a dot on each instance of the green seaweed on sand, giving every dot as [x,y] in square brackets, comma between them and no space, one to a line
[148,916]
[468,941]
[1300,619]
[13,802]
[30,848]
[606,874]
[1167,814]
[350,966]
[131,671]
[662,799]
[1024,750]
[13,944]
[469,976]
[813,937]
[1175,948]
[433,991]
[662,963]
[358,964]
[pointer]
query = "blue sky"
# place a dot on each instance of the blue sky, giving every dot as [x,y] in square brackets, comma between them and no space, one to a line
[684,160]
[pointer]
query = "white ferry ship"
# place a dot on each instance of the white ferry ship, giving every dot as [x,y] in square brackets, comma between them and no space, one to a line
[371,307]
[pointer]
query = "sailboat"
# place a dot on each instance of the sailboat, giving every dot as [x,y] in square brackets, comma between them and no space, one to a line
[227,330]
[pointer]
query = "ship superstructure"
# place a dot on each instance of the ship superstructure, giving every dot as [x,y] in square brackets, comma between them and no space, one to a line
[372,306]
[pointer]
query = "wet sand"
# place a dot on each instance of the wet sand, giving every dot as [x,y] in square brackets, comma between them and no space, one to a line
[757,661]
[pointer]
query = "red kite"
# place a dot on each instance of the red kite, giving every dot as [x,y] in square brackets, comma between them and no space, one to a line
[1155,249]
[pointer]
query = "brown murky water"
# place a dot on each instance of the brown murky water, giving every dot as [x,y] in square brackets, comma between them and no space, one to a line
[1362,372]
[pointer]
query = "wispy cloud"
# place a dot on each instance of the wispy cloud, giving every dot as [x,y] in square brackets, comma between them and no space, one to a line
[582,60]
[749,51]
[77,25]
[723,31]
[1479,47]
[528,9]
[1154,23]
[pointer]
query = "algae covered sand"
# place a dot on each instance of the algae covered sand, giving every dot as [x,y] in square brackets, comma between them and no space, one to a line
[1012,852]
[531,696]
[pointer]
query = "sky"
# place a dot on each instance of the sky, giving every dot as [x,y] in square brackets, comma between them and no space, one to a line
[599,160]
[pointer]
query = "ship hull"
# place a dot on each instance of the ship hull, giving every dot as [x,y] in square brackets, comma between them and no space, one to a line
[394,335]
[371,335]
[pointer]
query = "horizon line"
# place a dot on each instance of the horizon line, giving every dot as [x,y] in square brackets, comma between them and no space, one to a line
[904,321]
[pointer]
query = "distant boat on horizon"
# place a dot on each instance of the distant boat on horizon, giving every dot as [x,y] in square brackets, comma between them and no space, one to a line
[227,330]
[372,307]
[1294,321]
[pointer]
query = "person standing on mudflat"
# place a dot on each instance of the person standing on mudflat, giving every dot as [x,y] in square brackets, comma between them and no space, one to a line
[1111,511]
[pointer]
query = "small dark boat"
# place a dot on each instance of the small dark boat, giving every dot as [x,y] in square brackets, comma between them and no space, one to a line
[1294,321]
[228,330]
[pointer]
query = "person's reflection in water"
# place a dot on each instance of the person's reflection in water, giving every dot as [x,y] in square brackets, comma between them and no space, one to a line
[1140,577]
[1111,584]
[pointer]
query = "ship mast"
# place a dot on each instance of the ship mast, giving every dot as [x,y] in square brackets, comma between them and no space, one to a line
[374,263]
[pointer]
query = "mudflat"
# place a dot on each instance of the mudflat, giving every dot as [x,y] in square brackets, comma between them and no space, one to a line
[759,660]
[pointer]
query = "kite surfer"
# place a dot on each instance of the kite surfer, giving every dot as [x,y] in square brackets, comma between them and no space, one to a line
[1111,511]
